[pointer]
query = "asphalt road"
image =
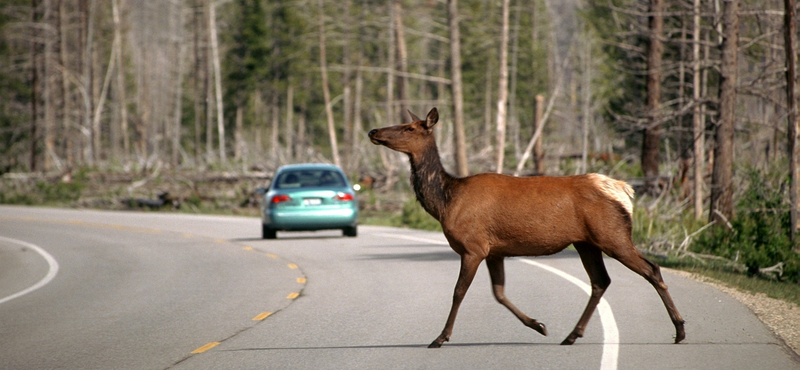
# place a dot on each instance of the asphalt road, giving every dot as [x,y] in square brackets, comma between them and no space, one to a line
[135,290]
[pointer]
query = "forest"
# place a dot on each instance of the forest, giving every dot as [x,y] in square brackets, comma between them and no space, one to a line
[695,102]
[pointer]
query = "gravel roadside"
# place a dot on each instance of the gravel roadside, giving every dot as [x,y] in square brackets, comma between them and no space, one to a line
[782,318]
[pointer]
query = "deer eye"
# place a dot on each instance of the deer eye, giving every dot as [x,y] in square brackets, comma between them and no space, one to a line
[409,129]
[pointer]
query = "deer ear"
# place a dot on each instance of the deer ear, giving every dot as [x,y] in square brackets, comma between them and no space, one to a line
[413,116]
[433,117]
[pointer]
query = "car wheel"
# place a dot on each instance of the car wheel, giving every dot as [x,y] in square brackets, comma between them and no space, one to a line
[268,233]
[350,231]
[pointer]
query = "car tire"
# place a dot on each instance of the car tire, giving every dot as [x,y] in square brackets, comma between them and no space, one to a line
[268,233]
[351,231]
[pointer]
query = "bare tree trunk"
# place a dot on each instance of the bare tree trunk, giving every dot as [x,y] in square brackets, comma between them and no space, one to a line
[513,121]
[142,105]
[196,83]
[769,114]
[90,153]
[347,120]
[357,100]
[402,59]
[120,92]
[440,72]
[698,128]
[288,132]
[98,111]
[273,142]
[260,122]
[237,133]
[35,18]
[359,83]
[459,137]
[652,134]
[587,102]
[212,29]
[502,90]
[789,35]
[347,80]
[208,87]
[487,106]
[538,151]
[681,153]
[721,182]
[48,97]
[97,149]
[391,62]
[302,124]
[326,89]
[66,126]
[178,114]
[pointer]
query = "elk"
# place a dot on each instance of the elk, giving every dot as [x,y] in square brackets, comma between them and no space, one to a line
[491,216]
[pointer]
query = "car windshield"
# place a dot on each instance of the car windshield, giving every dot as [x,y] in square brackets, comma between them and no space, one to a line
[309,178]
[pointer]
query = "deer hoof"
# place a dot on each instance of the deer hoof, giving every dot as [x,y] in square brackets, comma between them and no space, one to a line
[539,327]
[438,342]
[570,339]
[680,334]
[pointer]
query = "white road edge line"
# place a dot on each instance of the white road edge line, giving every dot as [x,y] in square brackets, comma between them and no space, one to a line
[610,331]
[51,273]
[610,355]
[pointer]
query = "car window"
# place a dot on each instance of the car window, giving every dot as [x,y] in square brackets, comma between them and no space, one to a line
[309,179]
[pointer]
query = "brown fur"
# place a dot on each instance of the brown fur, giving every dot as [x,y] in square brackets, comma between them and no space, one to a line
[492,216]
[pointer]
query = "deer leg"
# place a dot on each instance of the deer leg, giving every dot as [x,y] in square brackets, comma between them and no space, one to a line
[634,260]
[469,265]
[498,276]
[592,259]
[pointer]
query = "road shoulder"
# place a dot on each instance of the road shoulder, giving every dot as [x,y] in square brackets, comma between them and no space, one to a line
[781,317]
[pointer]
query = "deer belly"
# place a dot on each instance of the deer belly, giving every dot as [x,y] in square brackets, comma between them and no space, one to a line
[534,240]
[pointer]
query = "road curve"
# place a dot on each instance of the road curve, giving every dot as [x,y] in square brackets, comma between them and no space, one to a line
[146,290]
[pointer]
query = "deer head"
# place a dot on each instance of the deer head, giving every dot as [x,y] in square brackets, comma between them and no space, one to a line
[409,138]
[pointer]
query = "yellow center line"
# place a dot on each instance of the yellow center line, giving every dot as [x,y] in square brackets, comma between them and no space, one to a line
[205,347]
[209,345]
[262,316]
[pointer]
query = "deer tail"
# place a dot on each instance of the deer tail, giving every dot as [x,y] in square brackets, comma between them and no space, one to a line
[619,191]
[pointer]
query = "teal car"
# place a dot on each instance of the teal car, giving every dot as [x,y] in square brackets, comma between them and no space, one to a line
[309,197]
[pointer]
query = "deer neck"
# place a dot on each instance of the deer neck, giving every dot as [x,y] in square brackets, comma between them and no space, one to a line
[430,181]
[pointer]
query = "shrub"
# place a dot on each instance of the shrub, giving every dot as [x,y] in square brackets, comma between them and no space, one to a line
[17,198]
[759,233]
[194,200]
[61,191]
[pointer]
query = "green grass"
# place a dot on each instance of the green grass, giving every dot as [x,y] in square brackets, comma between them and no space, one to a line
[782,290]
[380,218]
